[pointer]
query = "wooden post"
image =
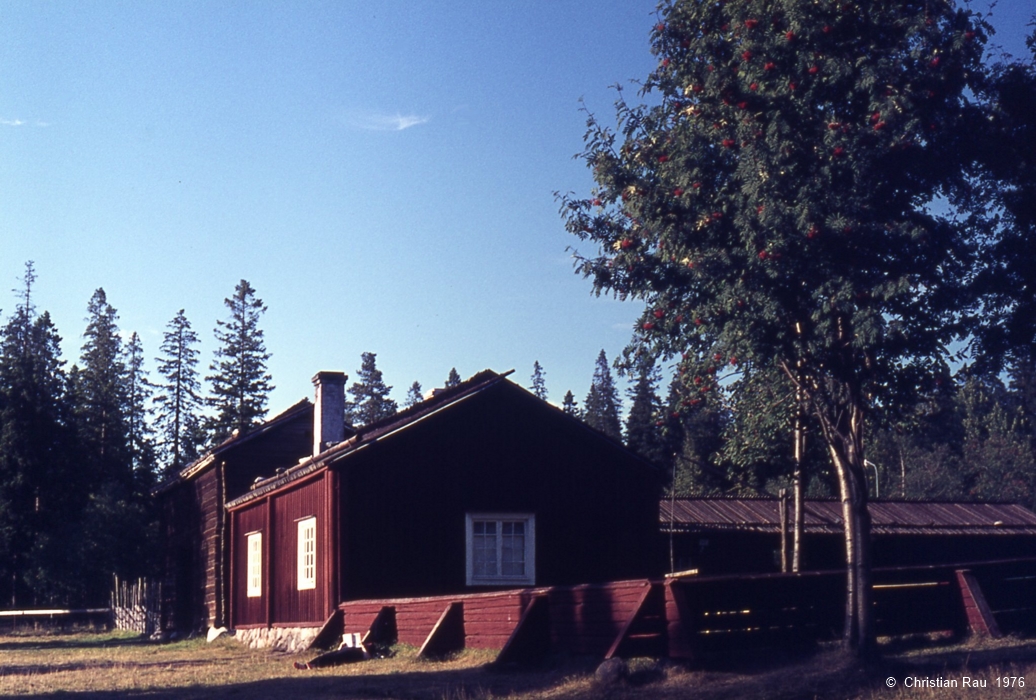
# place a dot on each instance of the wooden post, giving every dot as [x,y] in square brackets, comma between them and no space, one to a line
[627,626]
[447,635]
[530,639]
[980,618]
[783,505]
[383,630]
[679,622]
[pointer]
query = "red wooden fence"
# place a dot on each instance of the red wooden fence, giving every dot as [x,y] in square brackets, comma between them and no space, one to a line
[694,617]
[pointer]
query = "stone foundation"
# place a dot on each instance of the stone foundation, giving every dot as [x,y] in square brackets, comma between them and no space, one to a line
[290,639]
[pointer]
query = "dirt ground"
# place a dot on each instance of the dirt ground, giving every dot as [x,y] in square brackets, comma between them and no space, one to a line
[110,665]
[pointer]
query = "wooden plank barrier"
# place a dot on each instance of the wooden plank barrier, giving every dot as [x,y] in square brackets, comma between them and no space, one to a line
[1009,588]
[644,633]
[583,619]
[695,617]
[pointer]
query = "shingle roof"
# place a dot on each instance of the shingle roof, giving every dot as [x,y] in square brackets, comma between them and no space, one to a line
[825,517]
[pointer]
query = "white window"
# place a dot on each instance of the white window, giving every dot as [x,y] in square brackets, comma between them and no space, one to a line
[307,569]
[501,549]
[254,565]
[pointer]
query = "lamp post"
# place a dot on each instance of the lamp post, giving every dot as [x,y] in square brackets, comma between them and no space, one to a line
[868,463]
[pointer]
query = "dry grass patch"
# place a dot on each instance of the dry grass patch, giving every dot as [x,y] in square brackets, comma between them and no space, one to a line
[114,666]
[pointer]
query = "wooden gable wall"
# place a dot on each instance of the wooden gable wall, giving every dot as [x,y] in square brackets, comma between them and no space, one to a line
[404,499]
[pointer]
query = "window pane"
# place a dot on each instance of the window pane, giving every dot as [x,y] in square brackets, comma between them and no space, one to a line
[484,549]
[254,565]
[497,550]
[512,551]
[307,554]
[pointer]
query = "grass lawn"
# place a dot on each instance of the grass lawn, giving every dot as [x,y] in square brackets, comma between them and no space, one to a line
[112,665]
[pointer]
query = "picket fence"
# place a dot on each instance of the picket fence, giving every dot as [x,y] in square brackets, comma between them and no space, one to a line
[136,606]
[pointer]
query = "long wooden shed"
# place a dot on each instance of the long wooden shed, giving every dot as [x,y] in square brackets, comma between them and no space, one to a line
[743,535]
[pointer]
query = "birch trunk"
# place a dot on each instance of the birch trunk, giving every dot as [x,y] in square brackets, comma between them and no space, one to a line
[845,444]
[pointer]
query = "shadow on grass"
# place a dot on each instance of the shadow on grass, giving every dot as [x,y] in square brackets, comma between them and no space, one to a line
[105,641]
[972,659]
[456,684]
[121,666]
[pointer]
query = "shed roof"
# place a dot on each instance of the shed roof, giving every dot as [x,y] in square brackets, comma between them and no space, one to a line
[825,517]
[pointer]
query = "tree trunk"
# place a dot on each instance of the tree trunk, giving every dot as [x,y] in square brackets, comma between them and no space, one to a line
[839,409]
[845,442]
[798,479]
[799,518]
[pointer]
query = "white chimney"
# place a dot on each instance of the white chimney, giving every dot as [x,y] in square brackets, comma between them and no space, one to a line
[329,411]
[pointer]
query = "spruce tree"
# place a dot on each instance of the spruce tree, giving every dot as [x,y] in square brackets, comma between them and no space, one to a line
[101,397]
[539,383]
[773,203]
[112,536]
[414,395]
[569,405]
[179,400]
[42,484]
[138,414]
[602,406]
[453,379]
[370,395]
[644,422]
[240,384]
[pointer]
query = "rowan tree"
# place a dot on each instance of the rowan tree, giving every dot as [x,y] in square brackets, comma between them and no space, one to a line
[771,205]
[1006,150]
[692,436]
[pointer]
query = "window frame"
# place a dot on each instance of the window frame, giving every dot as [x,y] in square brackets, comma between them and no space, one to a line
[306,561]
[254,564]
[500,579]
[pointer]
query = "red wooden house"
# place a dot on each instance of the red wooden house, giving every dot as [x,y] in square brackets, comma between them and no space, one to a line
[194,525]
[481,487]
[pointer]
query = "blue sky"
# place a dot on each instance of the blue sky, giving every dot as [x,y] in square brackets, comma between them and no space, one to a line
[382,173]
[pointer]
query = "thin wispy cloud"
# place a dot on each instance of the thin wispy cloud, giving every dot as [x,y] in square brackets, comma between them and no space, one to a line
[386,122]
[22,122]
